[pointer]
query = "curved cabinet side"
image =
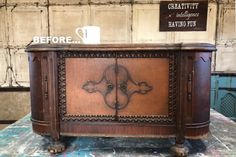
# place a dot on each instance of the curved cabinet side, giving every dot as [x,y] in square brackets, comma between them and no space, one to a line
[38,83]
[199,106]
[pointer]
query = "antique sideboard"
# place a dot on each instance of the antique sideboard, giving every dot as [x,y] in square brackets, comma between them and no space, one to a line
[131,90]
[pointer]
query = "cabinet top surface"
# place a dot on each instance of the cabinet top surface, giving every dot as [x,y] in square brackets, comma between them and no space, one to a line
[120,47]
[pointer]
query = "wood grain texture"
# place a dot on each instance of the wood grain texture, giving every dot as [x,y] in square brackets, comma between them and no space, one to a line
[78,72]
[154,71]
[117,129]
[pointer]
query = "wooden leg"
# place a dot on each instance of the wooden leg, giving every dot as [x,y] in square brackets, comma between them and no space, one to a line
[56,147]
[179,150]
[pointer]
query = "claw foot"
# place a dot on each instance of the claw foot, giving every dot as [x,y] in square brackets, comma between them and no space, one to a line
[56,147]
[179,150]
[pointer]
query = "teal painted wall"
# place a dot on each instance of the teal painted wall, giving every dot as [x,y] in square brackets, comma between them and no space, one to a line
[223,94]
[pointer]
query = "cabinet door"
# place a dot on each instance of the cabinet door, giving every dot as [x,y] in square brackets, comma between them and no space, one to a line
[86,89]
[145,90]
[139,87]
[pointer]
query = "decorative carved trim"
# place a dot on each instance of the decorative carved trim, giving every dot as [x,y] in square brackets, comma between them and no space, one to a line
[86,54]
[163,119]
[115,54]
[36,59]
[109,86]
[84,118]
[62,93]
[45,78]
[160,119]
[142,54]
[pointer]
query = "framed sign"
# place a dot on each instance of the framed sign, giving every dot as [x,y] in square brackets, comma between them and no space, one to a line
[183,15]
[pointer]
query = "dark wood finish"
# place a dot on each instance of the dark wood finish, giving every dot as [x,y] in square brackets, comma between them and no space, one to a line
[138,90]
[117,129]
[7,121]
[52,89]
[14,89]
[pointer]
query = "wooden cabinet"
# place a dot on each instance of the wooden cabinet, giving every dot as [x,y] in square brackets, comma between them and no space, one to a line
[138,90]
[116,88]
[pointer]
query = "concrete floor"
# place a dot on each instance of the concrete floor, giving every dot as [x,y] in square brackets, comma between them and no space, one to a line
[18,140]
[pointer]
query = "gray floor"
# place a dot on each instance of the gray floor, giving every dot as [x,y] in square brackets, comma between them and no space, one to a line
[19,140]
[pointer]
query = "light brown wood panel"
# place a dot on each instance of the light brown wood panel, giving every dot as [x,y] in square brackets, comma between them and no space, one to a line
[78,100]
[153,71]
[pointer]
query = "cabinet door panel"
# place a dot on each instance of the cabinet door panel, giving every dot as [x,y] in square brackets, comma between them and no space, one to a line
[144,86]
[86,86]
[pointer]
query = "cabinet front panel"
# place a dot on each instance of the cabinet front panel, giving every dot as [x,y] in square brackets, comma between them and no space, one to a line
[132,86]
[146,86]
[86,86]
